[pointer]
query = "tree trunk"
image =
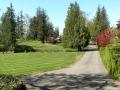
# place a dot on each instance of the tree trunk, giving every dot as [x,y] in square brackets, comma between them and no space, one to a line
[79,48]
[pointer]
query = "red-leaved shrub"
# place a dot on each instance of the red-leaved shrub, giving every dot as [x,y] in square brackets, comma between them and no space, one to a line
[105,38]
[50,40]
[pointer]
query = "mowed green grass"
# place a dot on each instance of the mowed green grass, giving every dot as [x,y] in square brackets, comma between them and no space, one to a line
[37,45]
[19,64]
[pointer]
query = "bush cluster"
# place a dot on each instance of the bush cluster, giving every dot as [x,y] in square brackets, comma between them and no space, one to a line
[111,59]
[51,40]
[8,82]
[3,48]
[105,38]
[18,48]
[23,48]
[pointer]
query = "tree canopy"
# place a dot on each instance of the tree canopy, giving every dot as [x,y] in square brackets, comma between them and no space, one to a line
[100,22]
[8,28]
[75,34]
[40,27]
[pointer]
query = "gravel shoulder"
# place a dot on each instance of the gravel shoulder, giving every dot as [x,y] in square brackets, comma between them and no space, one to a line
[87,74]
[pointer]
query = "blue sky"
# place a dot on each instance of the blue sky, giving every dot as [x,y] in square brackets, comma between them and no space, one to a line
[57,9]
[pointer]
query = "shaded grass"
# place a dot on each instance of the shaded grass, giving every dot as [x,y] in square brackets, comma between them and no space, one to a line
[19,64]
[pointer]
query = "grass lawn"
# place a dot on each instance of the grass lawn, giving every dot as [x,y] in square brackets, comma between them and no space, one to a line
[20,64]
[37,45]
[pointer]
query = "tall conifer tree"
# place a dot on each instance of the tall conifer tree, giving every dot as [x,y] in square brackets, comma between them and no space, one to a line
[50,29]
[104,19]
[101,21]
[33,32]
[8,28]
[42,20]
[56,32]
[75,33]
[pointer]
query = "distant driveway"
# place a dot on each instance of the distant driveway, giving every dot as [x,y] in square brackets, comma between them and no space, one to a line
[87,74]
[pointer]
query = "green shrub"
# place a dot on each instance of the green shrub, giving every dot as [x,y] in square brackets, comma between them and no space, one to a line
[8,82]
[111,59]
[3,49]
[23,48]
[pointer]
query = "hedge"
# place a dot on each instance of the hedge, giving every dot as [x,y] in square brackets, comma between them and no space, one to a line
[18,48]
[8,82]
[23,48]
[111,59]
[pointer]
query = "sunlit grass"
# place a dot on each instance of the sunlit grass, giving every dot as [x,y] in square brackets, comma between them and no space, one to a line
[19,64]
[37,45]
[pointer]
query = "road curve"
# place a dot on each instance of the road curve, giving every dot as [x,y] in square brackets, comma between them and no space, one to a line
[87,74]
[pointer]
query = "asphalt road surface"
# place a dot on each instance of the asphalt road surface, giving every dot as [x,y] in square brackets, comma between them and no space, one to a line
[87,74]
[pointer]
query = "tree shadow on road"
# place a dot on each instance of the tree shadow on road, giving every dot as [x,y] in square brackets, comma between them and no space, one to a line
[70,82]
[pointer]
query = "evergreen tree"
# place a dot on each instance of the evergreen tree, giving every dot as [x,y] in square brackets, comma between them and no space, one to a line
[91,30]
[0,31]
[20,25]
[97,23]
[26,25]
[21,32]
[101,21]
[104,19]
[56,32]
[75,33]
[33,32]
[40,28]
[50,29]
[8,28]
[42,20]
[17,26]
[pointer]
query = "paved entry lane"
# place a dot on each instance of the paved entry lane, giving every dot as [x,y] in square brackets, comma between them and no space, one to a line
[87,74]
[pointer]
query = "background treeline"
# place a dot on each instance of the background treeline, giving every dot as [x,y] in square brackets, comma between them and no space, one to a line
[19,27]
[77,33]
[40,27]
[79,30]
[98,23]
